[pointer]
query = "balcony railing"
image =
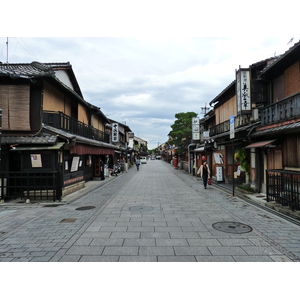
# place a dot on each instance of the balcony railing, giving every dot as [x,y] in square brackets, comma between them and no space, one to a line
[282,110]
[225,126]
[61,121]
[283,187]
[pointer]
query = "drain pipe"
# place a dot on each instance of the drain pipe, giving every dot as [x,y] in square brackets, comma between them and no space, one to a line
[189,156]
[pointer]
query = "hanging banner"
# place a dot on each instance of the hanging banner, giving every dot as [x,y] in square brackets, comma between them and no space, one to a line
[243,91]
[195,129]
[115,133]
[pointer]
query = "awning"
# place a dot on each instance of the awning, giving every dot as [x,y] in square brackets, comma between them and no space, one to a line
[199,149]
[260,144]
[35,148]
[81,149]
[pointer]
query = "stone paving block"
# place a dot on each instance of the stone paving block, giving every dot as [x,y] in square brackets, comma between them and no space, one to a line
[139,242]
[97,258]
[168,229]
[253,258]
[154,224]
[113,229]
[205,235]
[70,258]
[141,219]
[184,235]
[138,258]
[179,224]
[41,259]
[165,219]
[128,235]
[37,253]
[206,258]
[153,251]
[109,250]
[220,251]
[129,224]
[140,229]
[280,258]
[83,241]
[192,250]
[203,242]
[7,259]
[107,242]
[169,258]
[194,228]
[254,250]
[155,235]
[85,250]
[101,235]
[235,242]
[171,242]
[26,259]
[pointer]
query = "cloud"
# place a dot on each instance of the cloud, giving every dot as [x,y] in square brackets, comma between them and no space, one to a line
[144,81]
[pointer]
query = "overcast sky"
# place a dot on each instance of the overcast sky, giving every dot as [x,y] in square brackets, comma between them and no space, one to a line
[144,80]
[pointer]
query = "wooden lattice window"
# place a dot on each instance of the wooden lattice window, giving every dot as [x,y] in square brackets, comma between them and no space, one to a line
[15,104]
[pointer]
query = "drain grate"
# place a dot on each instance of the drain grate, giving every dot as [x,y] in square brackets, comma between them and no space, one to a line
[141,208]
[68,220]
[232,227]
[85,208]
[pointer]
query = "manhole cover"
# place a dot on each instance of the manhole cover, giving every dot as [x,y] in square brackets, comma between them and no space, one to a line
[141,208]
[67,221]
[85,208]
[232,227]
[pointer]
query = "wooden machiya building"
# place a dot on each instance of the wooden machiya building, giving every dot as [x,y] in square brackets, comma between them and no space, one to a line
[258,116]
[52,140]
[276,141]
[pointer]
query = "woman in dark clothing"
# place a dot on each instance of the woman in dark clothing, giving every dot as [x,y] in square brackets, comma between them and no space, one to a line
[204,172]
[102,170]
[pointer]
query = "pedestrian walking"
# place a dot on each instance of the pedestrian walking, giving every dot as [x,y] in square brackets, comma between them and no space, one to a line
[137,163]
[102,169]
[204,173]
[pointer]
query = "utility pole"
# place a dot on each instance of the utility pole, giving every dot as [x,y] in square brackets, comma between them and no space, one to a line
[204,109]
[7,50]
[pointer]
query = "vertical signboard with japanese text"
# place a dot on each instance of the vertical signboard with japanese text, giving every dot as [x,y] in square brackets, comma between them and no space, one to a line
[243,91]
[231,124]
[195,129]
[115,132]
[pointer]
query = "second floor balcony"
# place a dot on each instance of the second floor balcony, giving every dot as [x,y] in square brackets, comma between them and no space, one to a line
[283,110]
[61,121]
[223,127]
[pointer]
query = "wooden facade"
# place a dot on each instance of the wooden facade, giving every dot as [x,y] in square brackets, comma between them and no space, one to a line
[270,132]
[58,142]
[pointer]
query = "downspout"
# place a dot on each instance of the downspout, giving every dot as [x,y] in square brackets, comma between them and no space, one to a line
[189,156]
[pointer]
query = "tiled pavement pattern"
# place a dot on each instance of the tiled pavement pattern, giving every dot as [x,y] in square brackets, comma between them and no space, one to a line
[156,214]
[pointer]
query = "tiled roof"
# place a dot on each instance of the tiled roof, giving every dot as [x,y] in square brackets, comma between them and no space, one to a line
[22,140]
[37,69]
[278,129]
[34,69]
[283,59]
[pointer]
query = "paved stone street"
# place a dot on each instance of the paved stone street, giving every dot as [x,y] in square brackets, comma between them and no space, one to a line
[156,214]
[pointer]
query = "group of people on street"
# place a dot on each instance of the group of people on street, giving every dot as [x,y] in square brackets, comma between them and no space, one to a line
[203,171]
